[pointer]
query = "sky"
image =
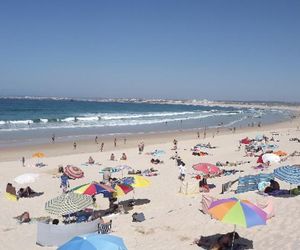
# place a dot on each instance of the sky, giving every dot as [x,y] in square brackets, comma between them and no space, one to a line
[175,49]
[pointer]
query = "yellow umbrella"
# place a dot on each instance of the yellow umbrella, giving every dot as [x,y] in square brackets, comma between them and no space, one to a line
[140,181]
[38,155]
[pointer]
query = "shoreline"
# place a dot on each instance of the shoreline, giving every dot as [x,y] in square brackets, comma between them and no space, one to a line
[58,148]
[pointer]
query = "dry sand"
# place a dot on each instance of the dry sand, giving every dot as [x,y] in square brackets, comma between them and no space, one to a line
[173,219]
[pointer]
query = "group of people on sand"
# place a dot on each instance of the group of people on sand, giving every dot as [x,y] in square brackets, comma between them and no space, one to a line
[123,157]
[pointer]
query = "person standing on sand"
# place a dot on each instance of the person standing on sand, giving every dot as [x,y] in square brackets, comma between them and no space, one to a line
[53,138]
[23,161]
[125,141]
[96,139]
[102,145]
[74,145]
[204,133]
[115,142]
[198,134]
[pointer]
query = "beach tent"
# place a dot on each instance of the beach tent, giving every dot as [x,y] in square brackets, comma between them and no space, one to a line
[50,235]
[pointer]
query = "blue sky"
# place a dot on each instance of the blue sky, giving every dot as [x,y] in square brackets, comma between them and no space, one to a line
[229,50]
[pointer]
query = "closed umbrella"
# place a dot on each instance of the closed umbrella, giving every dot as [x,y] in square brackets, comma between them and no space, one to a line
[94,242]
[68,203]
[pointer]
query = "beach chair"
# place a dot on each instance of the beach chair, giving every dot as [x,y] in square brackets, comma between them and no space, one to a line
[11,192]
[104,228]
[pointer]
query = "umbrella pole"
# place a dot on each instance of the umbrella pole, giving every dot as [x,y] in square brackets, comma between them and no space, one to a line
[233,237]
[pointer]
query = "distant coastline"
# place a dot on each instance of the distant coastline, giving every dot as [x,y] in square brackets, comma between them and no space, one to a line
[206,102]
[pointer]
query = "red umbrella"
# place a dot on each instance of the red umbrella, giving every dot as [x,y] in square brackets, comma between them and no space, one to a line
[207,168]
[246,140]
[73,172]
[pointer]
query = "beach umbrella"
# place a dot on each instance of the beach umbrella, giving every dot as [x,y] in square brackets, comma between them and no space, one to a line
[207,168]
[73,172]
[94,241]
[289,174]
[93,189]
[245,141]
[122,189]
[272,158]
[26,178]
[280,153]
[140,181]
[38,155]
[237,212]
[68,203]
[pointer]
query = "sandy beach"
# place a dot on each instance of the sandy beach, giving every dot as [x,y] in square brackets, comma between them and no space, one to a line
[173,218]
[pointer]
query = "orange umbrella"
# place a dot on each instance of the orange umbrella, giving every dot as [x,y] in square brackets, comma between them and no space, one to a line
[280,153]
[38,155]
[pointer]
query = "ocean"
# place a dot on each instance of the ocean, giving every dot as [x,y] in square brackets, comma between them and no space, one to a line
[25,120]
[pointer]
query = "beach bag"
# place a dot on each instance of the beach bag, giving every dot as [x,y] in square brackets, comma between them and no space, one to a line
[138,217]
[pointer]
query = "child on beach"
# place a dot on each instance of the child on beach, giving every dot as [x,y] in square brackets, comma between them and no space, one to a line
[64,184]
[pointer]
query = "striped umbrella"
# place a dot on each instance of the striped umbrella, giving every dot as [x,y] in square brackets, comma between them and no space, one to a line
[68,203]
[93,189]
[122,189]
[289,174]
[237,212]
[73,172]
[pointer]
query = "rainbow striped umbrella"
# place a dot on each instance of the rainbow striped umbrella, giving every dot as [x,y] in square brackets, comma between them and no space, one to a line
[238,212]
[93,189]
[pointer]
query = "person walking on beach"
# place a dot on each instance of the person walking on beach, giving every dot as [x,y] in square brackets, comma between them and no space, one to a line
[125,141]
[101,147]
[204,133]
[198,134]
[96,139]
[53,138]
[115,142]
[23,161]
[74,145]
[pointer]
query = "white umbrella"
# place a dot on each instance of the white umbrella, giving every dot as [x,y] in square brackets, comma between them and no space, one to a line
[270,158]
[26,178]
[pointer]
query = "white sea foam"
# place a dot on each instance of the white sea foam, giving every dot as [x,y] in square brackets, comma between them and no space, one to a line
[21,122]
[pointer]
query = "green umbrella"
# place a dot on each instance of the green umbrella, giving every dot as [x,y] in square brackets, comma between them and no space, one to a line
[68,203]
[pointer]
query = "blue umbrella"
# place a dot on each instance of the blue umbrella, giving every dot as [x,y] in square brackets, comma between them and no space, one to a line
[94,241]
[289,174]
